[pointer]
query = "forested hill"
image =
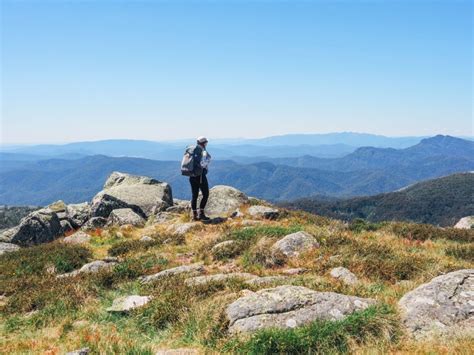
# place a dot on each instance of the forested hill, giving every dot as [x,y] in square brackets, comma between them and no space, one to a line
[441,201]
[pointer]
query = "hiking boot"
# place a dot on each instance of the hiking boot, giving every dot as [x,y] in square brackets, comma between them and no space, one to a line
[202,216]
[195,215]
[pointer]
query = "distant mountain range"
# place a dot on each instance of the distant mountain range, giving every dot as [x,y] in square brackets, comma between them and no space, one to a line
[367,171]
[442,201]
[329,145]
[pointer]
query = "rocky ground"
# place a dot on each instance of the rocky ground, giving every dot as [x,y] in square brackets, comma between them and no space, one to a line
[129,272]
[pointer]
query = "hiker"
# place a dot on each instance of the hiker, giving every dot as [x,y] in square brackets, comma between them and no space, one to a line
[195,164]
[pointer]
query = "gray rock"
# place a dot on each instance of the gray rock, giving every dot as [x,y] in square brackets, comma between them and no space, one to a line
[201,280]
[38,227]
[223,200]
[293,244]
[443,305]
[8,247]
[146,238]
[90,268]
[465,223]
[192,269]
[266,280]
[7,234]
[289,307]
[263,212]
[79,237]
[83,351]
[66,226]
[163,217]
[179,206]
[182,228]
[78,213]
[124,216]
[94,223]
[128,303]
[344,275]
[144,195]
[294,271]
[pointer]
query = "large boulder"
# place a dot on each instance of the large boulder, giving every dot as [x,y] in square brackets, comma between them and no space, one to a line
[294,244]
[123,216]
[465,223]
[38,227]
[144,195]
[94,223]
[289,307]
[71,216]
[223,200]
[443,305]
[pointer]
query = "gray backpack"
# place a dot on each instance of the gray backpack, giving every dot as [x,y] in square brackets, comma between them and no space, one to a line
[190,164]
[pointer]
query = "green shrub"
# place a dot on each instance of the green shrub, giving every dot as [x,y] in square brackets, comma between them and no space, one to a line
[37,259]
[323,337]
[359,225]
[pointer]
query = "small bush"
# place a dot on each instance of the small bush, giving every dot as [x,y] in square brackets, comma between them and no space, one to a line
[323,337]
[465,252]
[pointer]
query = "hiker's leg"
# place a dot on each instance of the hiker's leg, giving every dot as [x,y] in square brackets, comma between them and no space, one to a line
[194,181]
[205,192]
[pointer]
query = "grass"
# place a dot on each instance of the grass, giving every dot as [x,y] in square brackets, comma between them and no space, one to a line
[324,337]
[41,313]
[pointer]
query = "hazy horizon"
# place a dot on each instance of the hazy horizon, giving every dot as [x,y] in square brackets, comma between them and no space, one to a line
[167,70]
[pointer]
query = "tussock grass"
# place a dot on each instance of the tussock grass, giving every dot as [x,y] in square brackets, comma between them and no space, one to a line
[419,231]
[40,312]
[324,337]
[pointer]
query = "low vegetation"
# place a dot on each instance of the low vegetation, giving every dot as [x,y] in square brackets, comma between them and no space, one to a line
[41,313]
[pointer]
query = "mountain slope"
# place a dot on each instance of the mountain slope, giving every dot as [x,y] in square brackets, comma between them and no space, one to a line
[441,201]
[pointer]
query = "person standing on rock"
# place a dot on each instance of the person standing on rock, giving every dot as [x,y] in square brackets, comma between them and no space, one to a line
[195,164]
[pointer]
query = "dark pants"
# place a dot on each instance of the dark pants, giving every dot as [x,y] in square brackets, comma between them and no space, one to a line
[199,182]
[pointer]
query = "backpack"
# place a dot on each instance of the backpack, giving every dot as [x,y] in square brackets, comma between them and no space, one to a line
[190,164]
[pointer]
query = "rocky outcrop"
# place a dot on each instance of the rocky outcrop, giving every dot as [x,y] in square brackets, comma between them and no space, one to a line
[124,216]
[193,269]
[201,280]
[263,212]
[465,223]
[128,303]
[8,247]
[289,307]
[91,268]
[79,237]
[144,195]
[343,274]
[294,244]
[443,305]
[224,200]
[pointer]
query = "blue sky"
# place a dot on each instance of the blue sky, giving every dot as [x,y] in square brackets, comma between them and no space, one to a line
[88,70]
